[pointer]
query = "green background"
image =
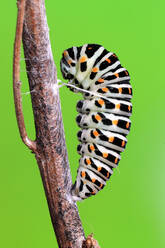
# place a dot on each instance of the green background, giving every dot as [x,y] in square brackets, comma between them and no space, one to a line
[129,212]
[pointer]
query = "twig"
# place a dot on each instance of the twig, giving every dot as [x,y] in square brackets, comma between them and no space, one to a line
[16,77]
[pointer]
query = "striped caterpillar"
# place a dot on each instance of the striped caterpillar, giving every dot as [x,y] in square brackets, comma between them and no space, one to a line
[103,113]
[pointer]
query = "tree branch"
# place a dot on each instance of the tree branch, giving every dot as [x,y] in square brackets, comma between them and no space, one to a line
[49,147]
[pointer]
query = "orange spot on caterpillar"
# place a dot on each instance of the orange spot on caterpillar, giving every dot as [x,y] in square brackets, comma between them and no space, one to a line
[99,168]
[101,102]
[111,139]
[93,180]
[83,173]
[114,55]
[129,108]
[105,89]
[83,59]
[117,106]
[69,61]
[108,60]
[89,48]
[65,53]
[115,122]
[88,161]
[95,69]
[105,155]
[93,192]
[127,125]
[100,80]
[116,159]
[92,147]
[120,90]
[95,133]
[97,117]
[129,89]
[116,74]
[107,174]
[123,143]
[126,73]
[101,185]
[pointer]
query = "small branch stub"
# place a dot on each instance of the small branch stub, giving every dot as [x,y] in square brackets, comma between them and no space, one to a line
[90,242]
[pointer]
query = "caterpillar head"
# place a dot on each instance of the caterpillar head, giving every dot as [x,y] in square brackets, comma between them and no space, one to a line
[65,69]
[68,66]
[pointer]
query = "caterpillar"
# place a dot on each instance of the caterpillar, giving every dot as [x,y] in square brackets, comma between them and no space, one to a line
[103,113]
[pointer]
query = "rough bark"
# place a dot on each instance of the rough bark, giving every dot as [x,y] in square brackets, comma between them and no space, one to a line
[49,146]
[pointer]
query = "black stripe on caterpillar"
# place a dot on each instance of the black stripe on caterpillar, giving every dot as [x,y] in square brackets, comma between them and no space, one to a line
[103,113]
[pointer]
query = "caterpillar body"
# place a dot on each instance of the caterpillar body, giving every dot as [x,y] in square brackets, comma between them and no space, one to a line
[103,113]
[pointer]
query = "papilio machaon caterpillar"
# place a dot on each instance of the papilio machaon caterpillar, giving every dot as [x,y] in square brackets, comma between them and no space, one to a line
[103,113]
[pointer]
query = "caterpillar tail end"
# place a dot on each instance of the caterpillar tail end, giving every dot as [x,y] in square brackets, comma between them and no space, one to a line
[74,194]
